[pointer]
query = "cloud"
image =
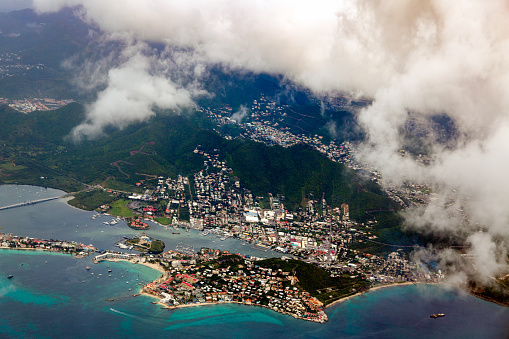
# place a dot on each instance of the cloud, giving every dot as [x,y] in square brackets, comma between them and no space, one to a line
[425,57]
[130,95]
[241,114]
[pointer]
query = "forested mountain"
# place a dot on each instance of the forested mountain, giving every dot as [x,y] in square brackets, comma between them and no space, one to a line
[164,146]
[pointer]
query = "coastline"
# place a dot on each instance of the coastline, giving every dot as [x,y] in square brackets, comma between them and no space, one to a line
[28,249]
[339,301]
[167,307]
[24,249]
[153,266]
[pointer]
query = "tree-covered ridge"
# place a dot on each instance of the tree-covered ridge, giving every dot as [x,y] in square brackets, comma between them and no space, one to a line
[165,145]
[317,281]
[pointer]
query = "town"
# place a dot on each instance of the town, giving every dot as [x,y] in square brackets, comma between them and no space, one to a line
[318,234]
[265,123]
[11,65]
[27,105]
[212,276]
[10,241]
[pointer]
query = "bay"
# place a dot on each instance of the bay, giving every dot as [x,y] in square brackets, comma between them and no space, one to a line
[54,296]
[56,219]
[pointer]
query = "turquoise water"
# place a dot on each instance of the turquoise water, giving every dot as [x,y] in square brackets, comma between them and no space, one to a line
[54,296]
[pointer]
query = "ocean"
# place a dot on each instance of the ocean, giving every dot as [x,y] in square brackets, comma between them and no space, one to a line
[54,296]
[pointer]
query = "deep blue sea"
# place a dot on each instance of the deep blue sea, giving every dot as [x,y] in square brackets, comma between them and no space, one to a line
[54,296]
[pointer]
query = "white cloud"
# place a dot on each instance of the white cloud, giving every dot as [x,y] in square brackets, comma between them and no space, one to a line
[241,114]
[131,93]
[427,57]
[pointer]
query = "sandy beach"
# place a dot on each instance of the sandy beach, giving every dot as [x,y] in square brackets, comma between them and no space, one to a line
[27,249]
[186,305]
[374,289]
[154,266]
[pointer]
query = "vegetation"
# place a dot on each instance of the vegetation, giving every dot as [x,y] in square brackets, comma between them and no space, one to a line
[165,145]
[119,208]
[91,200]
[301,173]
[153,246]
[316,280]
[497,291]
[156,247]
[163,220]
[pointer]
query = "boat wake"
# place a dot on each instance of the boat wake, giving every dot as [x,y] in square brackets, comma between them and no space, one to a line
[120,312]
[132,316]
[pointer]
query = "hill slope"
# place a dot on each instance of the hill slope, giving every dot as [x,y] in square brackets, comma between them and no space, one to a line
[164,146]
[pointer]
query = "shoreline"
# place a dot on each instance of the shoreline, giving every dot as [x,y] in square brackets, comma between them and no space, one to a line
[35,250]
[153,266]
[171,308]
[160,269]
[339,301]
[166,306]
[24,249]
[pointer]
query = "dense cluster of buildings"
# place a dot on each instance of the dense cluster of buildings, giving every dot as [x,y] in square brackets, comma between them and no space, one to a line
[35,104]
[10,66]
[17,242]
[264,125]
[318,234]
[213,276]
[216,203]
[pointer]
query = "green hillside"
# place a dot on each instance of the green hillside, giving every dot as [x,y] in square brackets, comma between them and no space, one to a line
[164,146]
[316,280]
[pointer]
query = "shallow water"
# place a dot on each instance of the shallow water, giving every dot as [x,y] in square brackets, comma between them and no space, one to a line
[53,295]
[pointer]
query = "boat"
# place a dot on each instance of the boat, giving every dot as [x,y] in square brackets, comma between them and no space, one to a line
[437,315]
[109,270]
[10,276]
[175,232]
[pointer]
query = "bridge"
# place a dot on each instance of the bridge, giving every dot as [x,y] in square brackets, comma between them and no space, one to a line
[33,202]
[26,203]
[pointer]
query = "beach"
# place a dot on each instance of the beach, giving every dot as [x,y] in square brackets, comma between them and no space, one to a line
[157,267]
[374,289]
